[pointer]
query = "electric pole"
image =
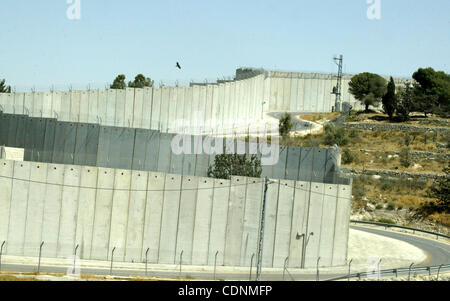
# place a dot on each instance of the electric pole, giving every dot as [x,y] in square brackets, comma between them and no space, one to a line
[337,90]
[261,232]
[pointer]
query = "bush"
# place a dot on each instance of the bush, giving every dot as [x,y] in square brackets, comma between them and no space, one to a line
[349,157]
[387,185]
[441,192]
[405,157]
[285,125]
[379,206]
[334,135]
[407,139]
[227,165]
[386,221]
[390,206]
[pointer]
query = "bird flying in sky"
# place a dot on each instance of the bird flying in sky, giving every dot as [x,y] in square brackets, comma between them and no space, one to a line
[178,66]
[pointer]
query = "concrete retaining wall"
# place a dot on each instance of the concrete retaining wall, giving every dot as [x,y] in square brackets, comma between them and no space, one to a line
[99,209]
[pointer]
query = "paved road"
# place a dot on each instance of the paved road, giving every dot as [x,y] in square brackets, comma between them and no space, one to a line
[439,253]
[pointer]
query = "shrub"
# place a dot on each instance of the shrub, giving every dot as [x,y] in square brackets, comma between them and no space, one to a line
[405,157]
[227,165]
[334,135]
[349,157]
[285,125]
[386,221]
[379,206]
[387,185]
[407,139]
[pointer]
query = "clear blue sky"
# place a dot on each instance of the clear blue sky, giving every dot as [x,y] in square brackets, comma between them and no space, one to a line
[40,46]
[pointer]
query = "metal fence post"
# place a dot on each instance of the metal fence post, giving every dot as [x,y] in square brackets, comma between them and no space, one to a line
[284,267]
[40,254]
[439,269]
[379,270]
[317,275]
[349,267]
[181,261]
[215,264]
[75,258]
[112,260]
[251,266]
[146,261]
[409,272]
[1,253]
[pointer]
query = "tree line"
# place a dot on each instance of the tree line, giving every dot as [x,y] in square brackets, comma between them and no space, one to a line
[429,93]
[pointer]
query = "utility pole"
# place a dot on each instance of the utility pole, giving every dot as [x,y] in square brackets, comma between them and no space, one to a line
[337,90]
[261,232]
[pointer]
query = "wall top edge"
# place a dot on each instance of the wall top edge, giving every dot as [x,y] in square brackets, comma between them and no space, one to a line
[225,182]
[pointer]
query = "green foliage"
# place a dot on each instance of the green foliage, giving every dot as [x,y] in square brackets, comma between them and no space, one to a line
[349,157]
[386,221]
[334,135]
[390,99]
[434,87]
[227,165]
[285,125]
[119,82]
[407,139]
[441,192]
[405,100]
[387,184]
[4,88]
[140,81]
[368,88]
[405,157]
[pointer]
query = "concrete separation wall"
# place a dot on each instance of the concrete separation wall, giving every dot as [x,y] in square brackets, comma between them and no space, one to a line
[95,209]
[50,141]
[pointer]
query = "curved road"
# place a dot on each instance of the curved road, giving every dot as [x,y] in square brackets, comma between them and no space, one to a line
[438,253]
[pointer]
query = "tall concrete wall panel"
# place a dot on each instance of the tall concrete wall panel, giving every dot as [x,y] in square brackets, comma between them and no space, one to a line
[69,211]
[102,215]
[186,218]
[236,208]
[119,120]
[84,107]
[147,108]
[153,216]
[202,221]
[86,209]
[284,220]
[136,216]
[119,215]
[341,229]
[219,218]
[52,210]
[252,221]
[6,184]
[169,222]
[18,208]
[314,224]
[328,225]
[299,230]
[35,208]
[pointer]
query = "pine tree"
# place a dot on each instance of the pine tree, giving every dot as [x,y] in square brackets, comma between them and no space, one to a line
[390,99]
[4,88]
[119,82]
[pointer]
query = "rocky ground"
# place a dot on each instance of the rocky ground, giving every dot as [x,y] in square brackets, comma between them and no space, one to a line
[402,217]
